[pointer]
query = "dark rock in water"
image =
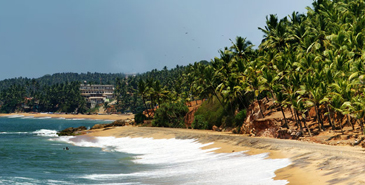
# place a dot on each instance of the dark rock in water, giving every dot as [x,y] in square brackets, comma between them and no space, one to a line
[117,123]
[71,131]
[98,126]
[75,131]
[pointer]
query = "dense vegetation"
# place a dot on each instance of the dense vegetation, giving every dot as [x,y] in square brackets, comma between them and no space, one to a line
[314,60]
[50,92]
[60,78]
[304,61]
[64,97]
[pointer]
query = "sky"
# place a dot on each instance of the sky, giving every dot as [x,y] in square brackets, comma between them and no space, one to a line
[42,37]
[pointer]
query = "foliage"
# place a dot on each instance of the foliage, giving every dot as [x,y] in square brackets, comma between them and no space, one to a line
[93,110]
[170,115]
[211,112]
[240,117]
[12,99]
[199,123]
[139,118]
[228,121]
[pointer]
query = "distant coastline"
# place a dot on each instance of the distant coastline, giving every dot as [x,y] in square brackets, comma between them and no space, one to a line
[73,116]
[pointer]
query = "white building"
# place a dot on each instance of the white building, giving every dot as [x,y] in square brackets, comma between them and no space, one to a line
[96,94]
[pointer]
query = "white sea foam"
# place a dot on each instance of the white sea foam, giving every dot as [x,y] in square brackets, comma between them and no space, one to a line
[46,133]
[78,119]
[14,132]
[185,162]
[109,120]
[28,117]
[15,116]
[61,118]
[44,117]
[30,181]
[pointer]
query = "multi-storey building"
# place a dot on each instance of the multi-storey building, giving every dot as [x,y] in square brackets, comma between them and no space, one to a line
[95,94]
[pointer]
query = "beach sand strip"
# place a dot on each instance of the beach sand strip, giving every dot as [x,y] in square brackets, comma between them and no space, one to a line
[312,163]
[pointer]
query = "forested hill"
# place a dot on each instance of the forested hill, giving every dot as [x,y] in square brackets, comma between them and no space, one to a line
[60,91]
[59,78]
[165,77]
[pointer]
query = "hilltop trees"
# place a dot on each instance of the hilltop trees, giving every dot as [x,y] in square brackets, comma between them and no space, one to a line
[60,97]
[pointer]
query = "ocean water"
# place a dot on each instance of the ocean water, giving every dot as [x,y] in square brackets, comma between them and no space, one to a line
[32,153]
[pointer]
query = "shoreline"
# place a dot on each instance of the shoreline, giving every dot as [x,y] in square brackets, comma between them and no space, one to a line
[312,163]
[111,117]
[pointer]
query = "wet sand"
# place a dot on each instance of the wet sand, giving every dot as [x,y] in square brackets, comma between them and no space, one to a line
[311,163]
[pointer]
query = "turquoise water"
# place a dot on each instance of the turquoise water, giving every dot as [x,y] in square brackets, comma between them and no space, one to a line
[28,156]
[31,153]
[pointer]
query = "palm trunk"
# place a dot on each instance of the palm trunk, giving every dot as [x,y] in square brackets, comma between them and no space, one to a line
[285,121]
[148,112]
[341,120]
[320,124]
[292,115]
[262,113]
[233,110]
[349,122]
[298,120]
[329,118]
[220,102]
[242,102]
[305,124]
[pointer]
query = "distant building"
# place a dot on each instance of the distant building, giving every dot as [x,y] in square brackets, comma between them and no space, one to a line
[96,94]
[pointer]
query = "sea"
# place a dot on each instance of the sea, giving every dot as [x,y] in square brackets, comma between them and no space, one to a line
[32,153]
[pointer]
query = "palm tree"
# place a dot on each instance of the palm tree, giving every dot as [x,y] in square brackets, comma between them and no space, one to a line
[142,90]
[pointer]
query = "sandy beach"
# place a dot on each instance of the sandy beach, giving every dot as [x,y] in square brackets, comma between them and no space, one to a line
[311,163]
[74,116]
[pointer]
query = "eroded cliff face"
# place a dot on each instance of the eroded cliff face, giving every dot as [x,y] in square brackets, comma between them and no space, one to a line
[264,119]
[258,125]
[272,126]
[189,117]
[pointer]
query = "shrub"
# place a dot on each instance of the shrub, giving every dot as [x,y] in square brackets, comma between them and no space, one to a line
[240,117]
[170,115]
[139,118]
[211,112]
[228,121]
[199,123]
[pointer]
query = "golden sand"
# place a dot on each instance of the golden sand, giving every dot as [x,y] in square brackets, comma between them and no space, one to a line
[311,163]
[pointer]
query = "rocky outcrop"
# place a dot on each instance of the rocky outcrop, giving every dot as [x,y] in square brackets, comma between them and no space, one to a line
[256,125]
[76,131]
[265,128]
[284,133]
[117,123]
[215,128]
[71,131]
[254,111]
